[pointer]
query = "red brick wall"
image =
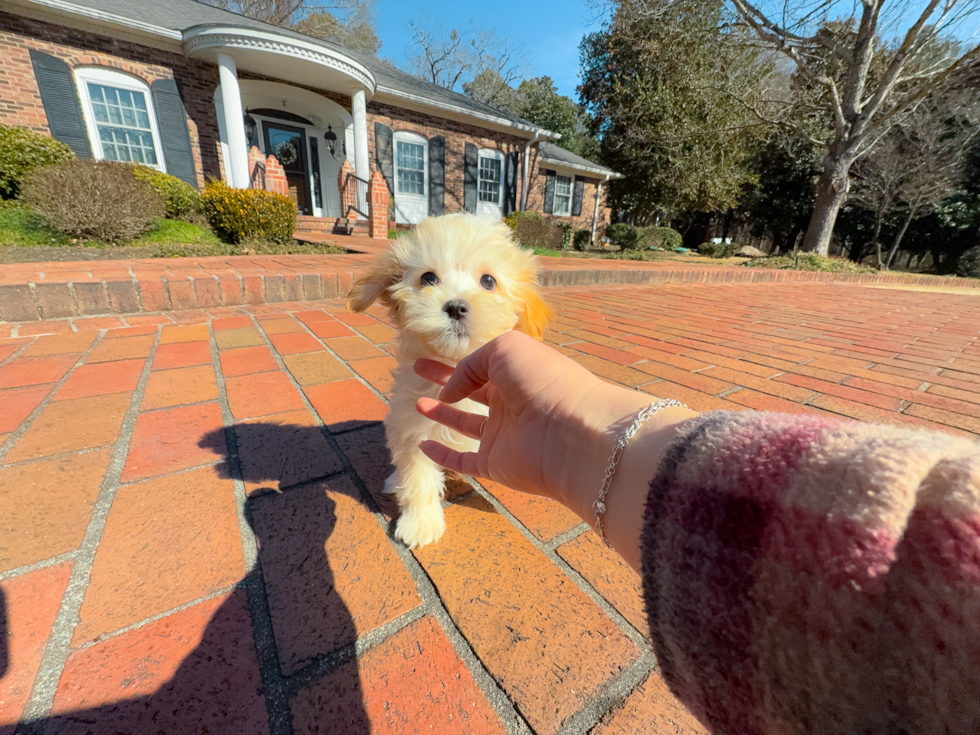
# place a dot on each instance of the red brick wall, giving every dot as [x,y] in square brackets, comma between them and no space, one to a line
[457,135]
[20,101]
[535,201]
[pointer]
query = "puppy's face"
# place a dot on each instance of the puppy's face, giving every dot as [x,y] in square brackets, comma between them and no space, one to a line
[454,284]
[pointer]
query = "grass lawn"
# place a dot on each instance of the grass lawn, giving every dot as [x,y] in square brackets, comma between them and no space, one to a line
[25,238]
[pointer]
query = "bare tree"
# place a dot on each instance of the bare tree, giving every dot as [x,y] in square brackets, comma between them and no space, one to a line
[878,180]
[347,22]
[460,57]
[864,103]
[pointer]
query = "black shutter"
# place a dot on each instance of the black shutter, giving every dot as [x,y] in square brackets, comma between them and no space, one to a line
[577,194]
[60,100]
[549,192]
[471,173]
[174,135]
[437,175]
[384,154]
[510,183]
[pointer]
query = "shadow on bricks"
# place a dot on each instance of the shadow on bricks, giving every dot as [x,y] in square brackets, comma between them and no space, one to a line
[199,669]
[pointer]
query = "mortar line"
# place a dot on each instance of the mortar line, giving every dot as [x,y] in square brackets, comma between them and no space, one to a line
[43,564]
[615,691]
[17,353]
[496,697]
[270,671]
[17,433]
[58,647]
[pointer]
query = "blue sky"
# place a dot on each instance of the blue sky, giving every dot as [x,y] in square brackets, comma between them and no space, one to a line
[549,29]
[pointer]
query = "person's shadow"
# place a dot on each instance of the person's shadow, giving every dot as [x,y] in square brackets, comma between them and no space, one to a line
[217,688]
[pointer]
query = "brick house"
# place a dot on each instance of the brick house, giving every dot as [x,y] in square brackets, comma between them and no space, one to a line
[201,92]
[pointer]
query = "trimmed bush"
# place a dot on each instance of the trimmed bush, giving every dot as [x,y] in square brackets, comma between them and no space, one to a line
[566,234]
[93,200]
[623,235]
[968,266]
[237,215]
[537,232]
[660,237]
[581,240]
[718,249]
[180,197]
[513,218]
[22,151]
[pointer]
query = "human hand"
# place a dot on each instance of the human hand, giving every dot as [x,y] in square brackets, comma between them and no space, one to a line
[552,423]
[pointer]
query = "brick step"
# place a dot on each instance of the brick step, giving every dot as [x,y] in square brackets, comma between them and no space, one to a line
[31,292]
[349,226]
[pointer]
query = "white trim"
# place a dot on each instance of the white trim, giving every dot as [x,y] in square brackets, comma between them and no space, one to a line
[485,207]
[224,37]
[486,117]
[555,164]
[408,207]
[120,80]
[571,195]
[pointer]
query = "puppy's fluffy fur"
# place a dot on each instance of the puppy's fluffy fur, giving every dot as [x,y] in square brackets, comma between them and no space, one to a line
[459,249]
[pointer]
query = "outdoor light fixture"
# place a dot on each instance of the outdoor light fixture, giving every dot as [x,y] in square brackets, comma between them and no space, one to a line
[331,137]
[250,128]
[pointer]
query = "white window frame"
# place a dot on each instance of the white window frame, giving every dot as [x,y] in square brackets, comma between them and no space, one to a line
[113,78]
[494,155]
[411,204]
[567,210]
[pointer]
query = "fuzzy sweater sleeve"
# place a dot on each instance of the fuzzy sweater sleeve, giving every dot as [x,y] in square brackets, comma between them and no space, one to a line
[803,574]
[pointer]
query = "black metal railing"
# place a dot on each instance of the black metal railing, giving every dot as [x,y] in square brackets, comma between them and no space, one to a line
[357,198]
[257,179]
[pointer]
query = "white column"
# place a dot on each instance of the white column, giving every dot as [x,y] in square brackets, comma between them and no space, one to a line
[361,162]
[236,169]
[362,165]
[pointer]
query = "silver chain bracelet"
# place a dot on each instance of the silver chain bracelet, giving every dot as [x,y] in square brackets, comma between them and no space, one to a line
[599,506]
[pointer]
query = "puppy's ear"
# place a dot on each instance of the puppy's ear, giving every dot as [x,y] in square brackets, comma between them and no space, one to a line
[371,286]
[534,313]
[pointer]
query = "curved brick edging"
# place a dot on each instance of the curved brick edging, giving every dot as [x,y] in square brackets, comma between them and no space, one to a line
[42,291]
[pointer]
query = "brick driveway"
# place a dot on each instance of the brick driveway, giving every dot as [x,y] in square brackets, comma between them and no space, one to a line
[149,574]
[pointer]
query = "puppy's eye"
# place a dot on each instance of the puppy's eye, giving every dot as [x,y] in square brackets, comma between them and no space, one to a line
[488,282]
[429,279]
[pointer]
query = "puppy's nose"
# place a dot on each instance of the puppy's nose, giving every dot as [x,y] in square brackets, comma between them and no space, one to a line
[457,309]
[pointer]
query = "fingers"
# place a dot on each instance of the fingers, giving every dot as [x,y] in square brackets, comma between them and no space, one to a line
[439,373]
[433,371]
[463,462]
[468,424]
[471,374]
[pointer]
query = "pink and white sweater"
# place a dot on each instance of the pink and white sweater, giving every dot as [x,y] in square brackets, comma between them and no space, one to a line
[809,575]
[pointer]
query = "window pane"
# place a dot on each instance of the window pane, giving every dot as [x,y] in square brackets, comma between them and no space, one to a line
[123,122]
[490,177]
[411,168]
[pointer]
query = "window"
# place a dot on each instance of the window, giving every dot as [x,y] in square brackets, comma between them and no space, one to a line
[411,168]
[119,116]
[490,177]
[563,195]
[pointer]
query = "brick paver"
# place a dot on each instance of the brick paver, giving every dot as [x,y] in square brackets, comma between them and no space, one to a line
[193,529]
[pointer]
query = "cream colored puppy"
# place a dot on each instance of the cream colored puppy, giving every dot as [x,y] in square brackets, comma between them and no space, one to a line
[450,286]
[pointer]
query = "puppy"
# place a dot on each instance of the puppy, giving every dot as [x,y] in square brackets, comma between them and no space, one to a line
[450,286]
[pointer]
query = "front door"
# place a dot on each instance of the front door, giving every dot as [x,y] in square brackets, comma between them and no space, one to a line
[288,145]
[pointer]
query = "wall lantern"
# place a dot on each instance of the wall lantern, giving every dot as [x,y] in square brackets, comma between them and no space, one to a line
[250,128]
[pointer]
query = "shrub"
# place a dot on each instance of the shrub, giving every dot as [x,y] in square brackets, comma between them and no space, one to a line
[93,200]
[968,266]
[625,236]
[718,249]
[537,232]
[180,197]
[237,215]
[22,151]
[660,237]
[513,218]
[566,234]
[581,240]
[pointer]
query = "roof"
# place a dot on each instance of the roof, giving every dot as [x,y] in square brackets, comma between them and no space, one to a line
[551,153]
[172,17]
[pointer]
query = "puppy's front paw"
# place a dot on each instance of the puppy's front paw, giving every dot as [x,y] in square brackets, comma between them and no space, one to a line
[420,526]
